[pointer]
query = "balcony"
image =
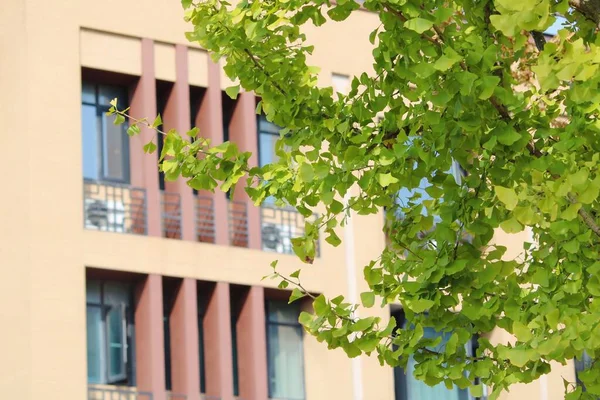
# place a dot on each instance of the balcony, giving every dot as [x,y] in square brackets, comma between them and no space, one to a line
[114,207]
[238,224]
[279,226]
[117,393]
[175,396]
[170,207]
[205,219]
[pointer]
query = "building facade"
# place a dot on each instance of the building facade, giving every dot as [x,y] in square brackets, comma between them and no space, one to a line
[119,285]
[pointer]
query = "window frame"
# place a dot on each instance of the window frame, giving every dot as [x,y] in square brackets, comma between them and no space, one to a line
[296,325]
[127,337]
[101,136]
[400,374]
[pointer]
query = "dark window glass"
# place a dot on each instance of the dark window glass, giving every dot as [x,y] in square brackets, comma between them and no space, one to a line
[105,146]
[285,351]
[407,387]
[110,333]
[268,134]
[201,348]
[581,364]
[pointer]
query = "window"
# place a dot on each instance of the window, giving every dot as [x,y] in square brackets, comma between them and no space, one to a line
[105,145]
[235,306]
[284,351]
[167,306]
[581,364]
[404,195]
[201,313]
[268,134]
[407,387]
[109,332]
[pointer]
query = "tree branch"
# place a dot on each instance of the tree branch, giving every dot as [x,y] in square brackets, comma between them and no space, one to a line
[590,9]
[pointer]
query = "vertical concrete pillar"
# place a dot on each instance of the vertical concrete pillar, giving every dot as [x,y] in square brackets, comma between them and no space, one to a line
[217,344]
[185,363]
[243,131]
[177,116]
[144,167]
[252,346]
[149,338]
[210,122]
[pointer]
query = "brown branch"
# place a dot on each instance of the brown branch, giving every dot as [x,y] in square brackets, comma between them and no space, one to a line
[586,217]
[590,9]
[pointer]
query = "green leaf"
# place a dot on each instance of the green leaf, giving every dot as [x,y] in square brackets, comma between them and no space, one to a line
[296,294]
[233,91]
[508,136]
[362,324]
[508,196]
[511,226]
[333,239]
[447,60]
[119,119]
[369,344]
[418,25]
[305,319]
[593,285]
[320,306]
[306,173]
[149,147]
[420,305]
[476,390]
[488,84]
[520,357]
[157,122]
[571,212]
[133,130]
[451,344]
[367,299]
[295,274]
[386,179]
[522,332]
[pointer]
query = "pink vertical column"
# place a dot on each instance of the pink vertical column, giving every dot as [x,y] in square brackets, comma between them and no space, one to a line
[177,116]
[210,122]
[144,167]
[217,344]
[185,362]
[243,131]
[252,346]
[149,338]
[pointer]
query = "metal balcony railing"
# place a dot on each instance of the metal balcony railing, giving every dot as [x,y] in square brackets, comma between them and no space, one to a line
[279,226]
[238,223]
[176,396]
[205,219]
[114,207]
[170,206]
[101,393]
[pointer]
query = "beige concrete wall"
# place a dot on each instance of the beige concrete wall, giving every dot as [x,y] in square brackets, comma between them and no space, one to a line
[15,246]
[110,52]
